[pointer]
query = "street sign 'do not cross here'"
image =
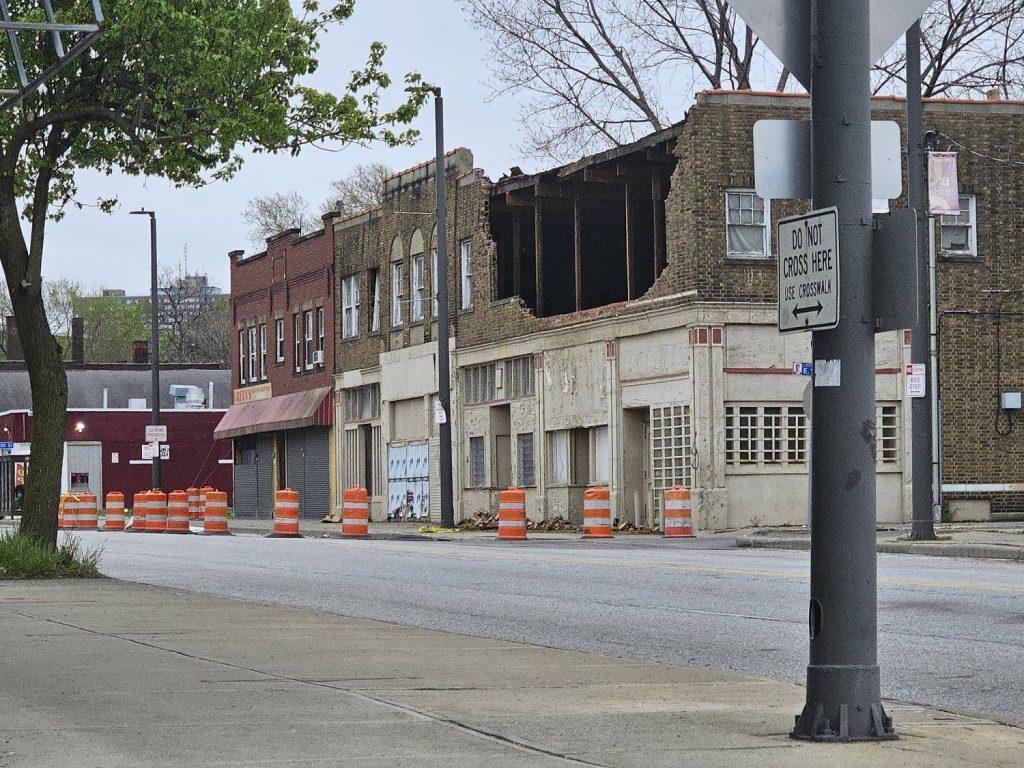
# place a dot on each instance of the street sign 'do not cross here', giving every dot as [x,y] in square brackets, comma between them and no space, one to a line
[809,271]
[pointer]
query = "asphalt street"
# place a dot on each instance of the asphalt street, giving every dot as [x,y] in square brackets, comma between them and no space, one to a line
[950,630]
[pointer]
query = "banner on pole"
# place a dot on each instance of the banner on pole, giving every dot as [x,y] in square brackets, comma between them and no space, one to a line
[943,190]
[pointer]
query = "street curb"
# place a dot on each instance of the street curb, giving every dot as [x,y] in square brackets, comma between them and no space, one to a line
[934,549]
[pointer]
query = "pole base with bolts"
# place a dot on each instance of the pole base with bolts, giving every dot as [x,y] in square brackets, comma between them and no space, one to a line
[843,704]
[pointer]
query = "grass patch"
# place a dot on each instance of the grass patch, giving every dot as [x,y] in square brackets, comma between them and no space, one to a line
[25,558]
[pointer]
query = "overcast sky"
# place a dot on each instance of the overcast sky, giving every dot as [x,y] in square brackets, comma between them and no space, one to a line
[429,36]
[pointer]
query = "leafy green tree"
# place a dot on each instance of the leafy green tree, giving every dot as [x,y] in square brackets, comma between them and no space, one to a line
[110,327]
[174,88]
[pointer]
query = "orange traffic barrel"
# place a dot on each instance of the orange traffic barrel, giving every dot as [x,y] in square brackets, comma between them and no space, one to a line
[140,510]
[114,518]
[177,512]
[202,499]
[215,516]
[355,513]
[677,519]
[512,514]
[286,515]
[87,519]
[67,512]
[597,513]
[195,512]
[156,516]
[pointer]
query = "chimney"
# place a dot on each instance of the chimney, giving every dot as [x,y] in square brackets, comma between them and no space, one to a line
[78,340]
[14,350]
[140,352]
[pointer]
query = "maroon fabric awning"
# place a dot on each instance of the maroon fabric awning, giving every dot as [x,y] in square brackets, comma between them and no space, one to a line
[312,408]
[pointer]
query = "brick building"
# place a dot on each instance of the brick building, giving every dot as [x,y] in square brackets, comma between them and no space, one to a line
[283,309]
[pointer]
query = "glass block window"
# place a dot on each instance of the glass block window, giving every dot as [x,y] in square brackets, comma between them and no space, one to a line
[765,435]
[477,466]
[887,437]
[524,451]
[671,445]
[746,224]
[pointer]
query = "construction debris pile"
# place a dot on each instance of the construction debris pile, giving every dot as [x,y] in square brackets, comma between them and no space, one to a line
[485,521]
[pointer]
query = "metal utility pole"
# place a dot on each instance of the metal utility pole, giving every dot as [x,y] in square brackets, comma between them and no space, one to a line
[843,685]
[154,337]
[922,527]
[444,392]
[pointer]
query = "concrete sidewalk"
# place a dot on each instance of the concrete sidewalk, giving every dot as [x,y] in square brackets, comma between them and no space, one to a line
[116,675]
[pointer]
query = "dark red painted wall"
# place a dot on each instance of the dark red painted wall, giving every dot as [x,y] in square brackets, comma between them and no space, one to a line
[195,456]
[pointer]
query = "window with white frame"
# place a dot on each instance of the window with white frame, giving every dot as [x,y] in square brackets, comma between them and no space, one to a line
[320,329]
[263,352]
[480,383]
[765,435]
[307,318]
[241,357]
[350,307]
[520,374]
[433,282]
[252,354]
[466,264]
[671,446]
[477,464]
[960,233]
[279,339]
[297,342]
[374,300]
[524,462]
[397,292]
[887,437]
[416,287]
[746,224]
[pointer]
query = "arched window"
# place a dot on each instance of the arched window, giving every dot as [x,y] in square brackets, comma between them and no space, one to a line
[416,275]
[397,281]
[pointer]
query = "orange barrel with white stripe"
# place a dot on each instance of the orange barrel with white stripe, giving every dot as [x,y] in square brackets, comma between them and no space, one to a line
[512,514]
[597,513]
[156,517]
[677,519]
[215,515]
[195,512]
[140,509]
[87,519]
[202,500]
[177,512]
[63,513]
[114,505]
[286,515]
[355,513]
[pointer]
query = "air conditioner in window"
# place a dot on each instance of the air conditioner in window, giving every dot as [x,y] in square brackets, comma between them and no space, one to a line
[318,357]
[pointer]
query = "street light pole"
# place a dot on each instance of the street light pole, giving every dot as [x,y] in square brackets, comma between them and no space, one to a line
[443,376]
[154,338]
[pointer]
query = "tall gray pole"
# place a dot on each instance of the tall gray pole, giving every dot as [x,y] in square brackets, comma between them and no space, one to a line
[154,336]
[443,379]
[922,527]
[843,686]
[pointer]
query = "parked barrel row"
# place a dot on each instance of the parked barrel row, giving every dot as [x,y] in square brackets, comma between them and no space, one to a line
[152,511]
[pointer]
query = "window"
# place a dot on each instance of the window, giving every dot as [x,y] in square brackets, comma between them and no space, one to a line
[362,403]
[417,287]
[241,357]
[959,233]
[307,318]
[397,292]
[477,467]
[481,383]
[765,435]
[524,451]
[558,451]
[279,338]
[297,338]
[263,352]
[887,442]
[374,300]
[520,373]
[670,450]
[433,282]
[350,307]
[601,464]
[252,354]
[320,329]
[746,217]
[466,262]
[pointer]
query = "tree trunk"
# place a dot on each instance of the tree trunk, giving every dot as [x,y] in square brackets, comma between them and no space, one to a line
[44,361]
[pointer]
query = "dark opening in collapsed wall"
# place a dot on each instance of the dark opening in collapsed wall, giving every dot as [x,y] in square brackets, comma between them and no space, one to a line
[585,235]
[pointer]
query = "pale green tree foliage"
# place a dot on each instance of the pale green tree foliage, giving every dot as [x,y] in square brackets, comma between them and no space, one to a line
[174,88]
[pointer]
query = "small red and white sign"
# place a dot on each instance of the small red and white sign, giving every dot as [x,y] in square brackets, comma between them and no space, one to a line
[916,386]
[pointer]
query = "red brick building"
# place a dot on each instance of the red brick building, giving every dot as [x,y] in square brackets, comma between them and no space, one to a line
[282,366]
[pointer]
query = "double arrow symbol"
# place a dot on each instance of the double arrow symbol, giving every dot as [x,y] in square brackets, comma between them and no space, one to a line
[816,309]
